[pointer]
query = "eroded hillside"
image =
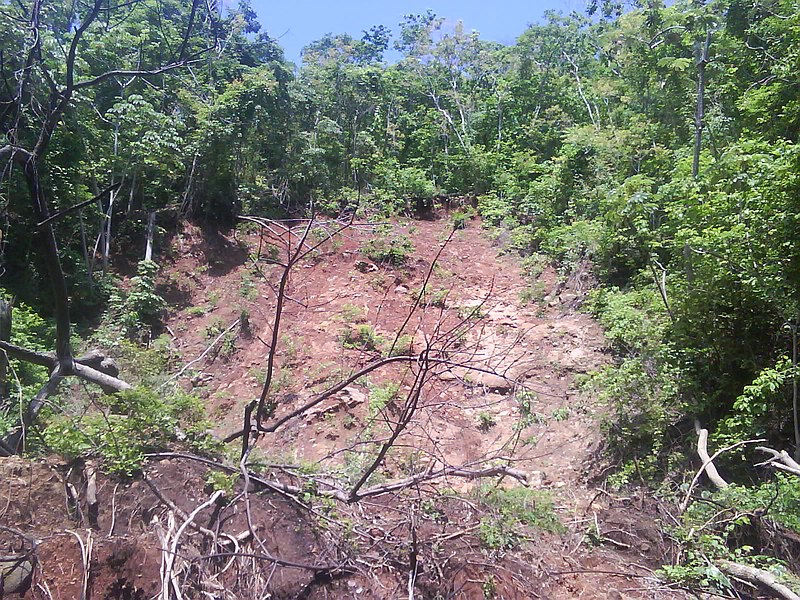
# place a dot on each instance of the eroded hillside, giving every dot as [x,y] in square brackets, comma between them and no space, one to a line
[464,470]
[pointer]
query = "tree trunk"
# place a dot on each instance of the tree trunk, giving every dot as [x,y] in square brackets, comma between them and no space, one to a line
[699,113]
[5,336]
[151,232]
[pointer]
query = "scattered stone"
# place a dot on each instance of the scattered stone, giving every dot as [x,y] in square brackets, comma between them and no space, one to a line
[537,478]
[494,383]
[15,574]
[363,266]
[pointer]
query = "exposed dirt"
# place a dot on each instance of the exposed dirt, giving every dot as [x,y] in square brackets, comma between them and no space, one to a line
[509,397]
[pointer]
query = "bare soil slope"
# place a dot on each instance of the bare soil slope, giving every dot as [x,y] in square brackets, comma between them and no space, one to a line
[510,398]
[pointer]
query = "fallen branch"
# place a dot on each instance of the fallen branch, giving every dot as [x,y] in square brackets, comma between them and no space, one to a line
[780,460]
[759,577]
[341,495]
[709,460]
[498,471]
[203,355]
[173,549]
[708,463]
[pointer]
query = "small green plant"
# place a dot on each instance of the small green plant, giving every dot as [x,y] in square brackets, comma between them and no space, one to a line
[244,322]
[227,347]
[217,481]
[510,511]
[561,413]
[247,288]
[214,328]
[462,217]
[466,313]
[387,247]
[436,299]
[377,282]
[196,311]
[533,293]
[486,421]
[525,407]
[282,380]
[380,397]
[489,587]
[289,348]
[363,337]
[213,298]
[402,347]
[350,313]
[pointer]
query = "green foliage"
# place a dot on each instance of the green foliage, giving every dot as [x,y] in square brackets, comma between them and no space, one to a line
[462,217]
[380,397]
[725,524]
[122,427]
[141,307]
[510,512]
[486,421]
[350,313]
[642,390]
[758,407]
[428,297]
[28,330]
[388,247]
[402,346]
[362,337]
[218,481]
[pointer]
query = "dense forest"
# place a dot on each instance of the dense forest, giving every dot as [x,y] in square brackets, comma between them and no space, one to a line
[652,145]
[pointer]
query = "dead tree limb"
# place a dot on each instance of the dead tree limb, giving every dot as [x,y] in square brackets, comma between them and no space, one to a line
[708,464]
[760,577]
[702,451]
[780,460]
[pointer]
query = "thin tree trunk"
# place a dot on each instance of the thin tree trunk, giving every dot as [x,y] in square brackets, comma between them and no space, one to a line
[699,113]
[84,245]
[106,247]
[795,415]
[5,335]
[151,232]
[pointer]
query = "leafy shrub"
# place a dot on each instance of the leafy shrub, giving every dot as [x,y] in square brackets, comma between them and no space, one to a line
[389,248]
[736,524]
[409,182]
[643,389]
[125,426]
[141,307]
[496,210]
[28,330]
[510,511]
[362,337]
[570,244]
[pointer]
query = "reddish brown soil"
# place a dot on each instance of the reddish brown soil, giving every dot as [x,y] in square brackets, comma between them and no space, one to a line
[465,416]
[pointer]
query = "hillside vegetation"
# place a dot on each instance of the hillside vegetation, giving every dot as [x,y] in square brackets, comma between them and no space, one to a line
[369,296]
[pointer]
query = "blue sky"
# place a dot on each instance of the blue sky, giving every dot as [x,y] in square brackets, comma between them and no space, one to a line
[297,22]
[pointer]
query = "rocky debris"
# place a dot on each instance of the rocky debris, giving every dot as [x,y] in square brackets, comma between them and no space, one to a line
[493,383]
[363,266]
[348,398]
[15,574]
